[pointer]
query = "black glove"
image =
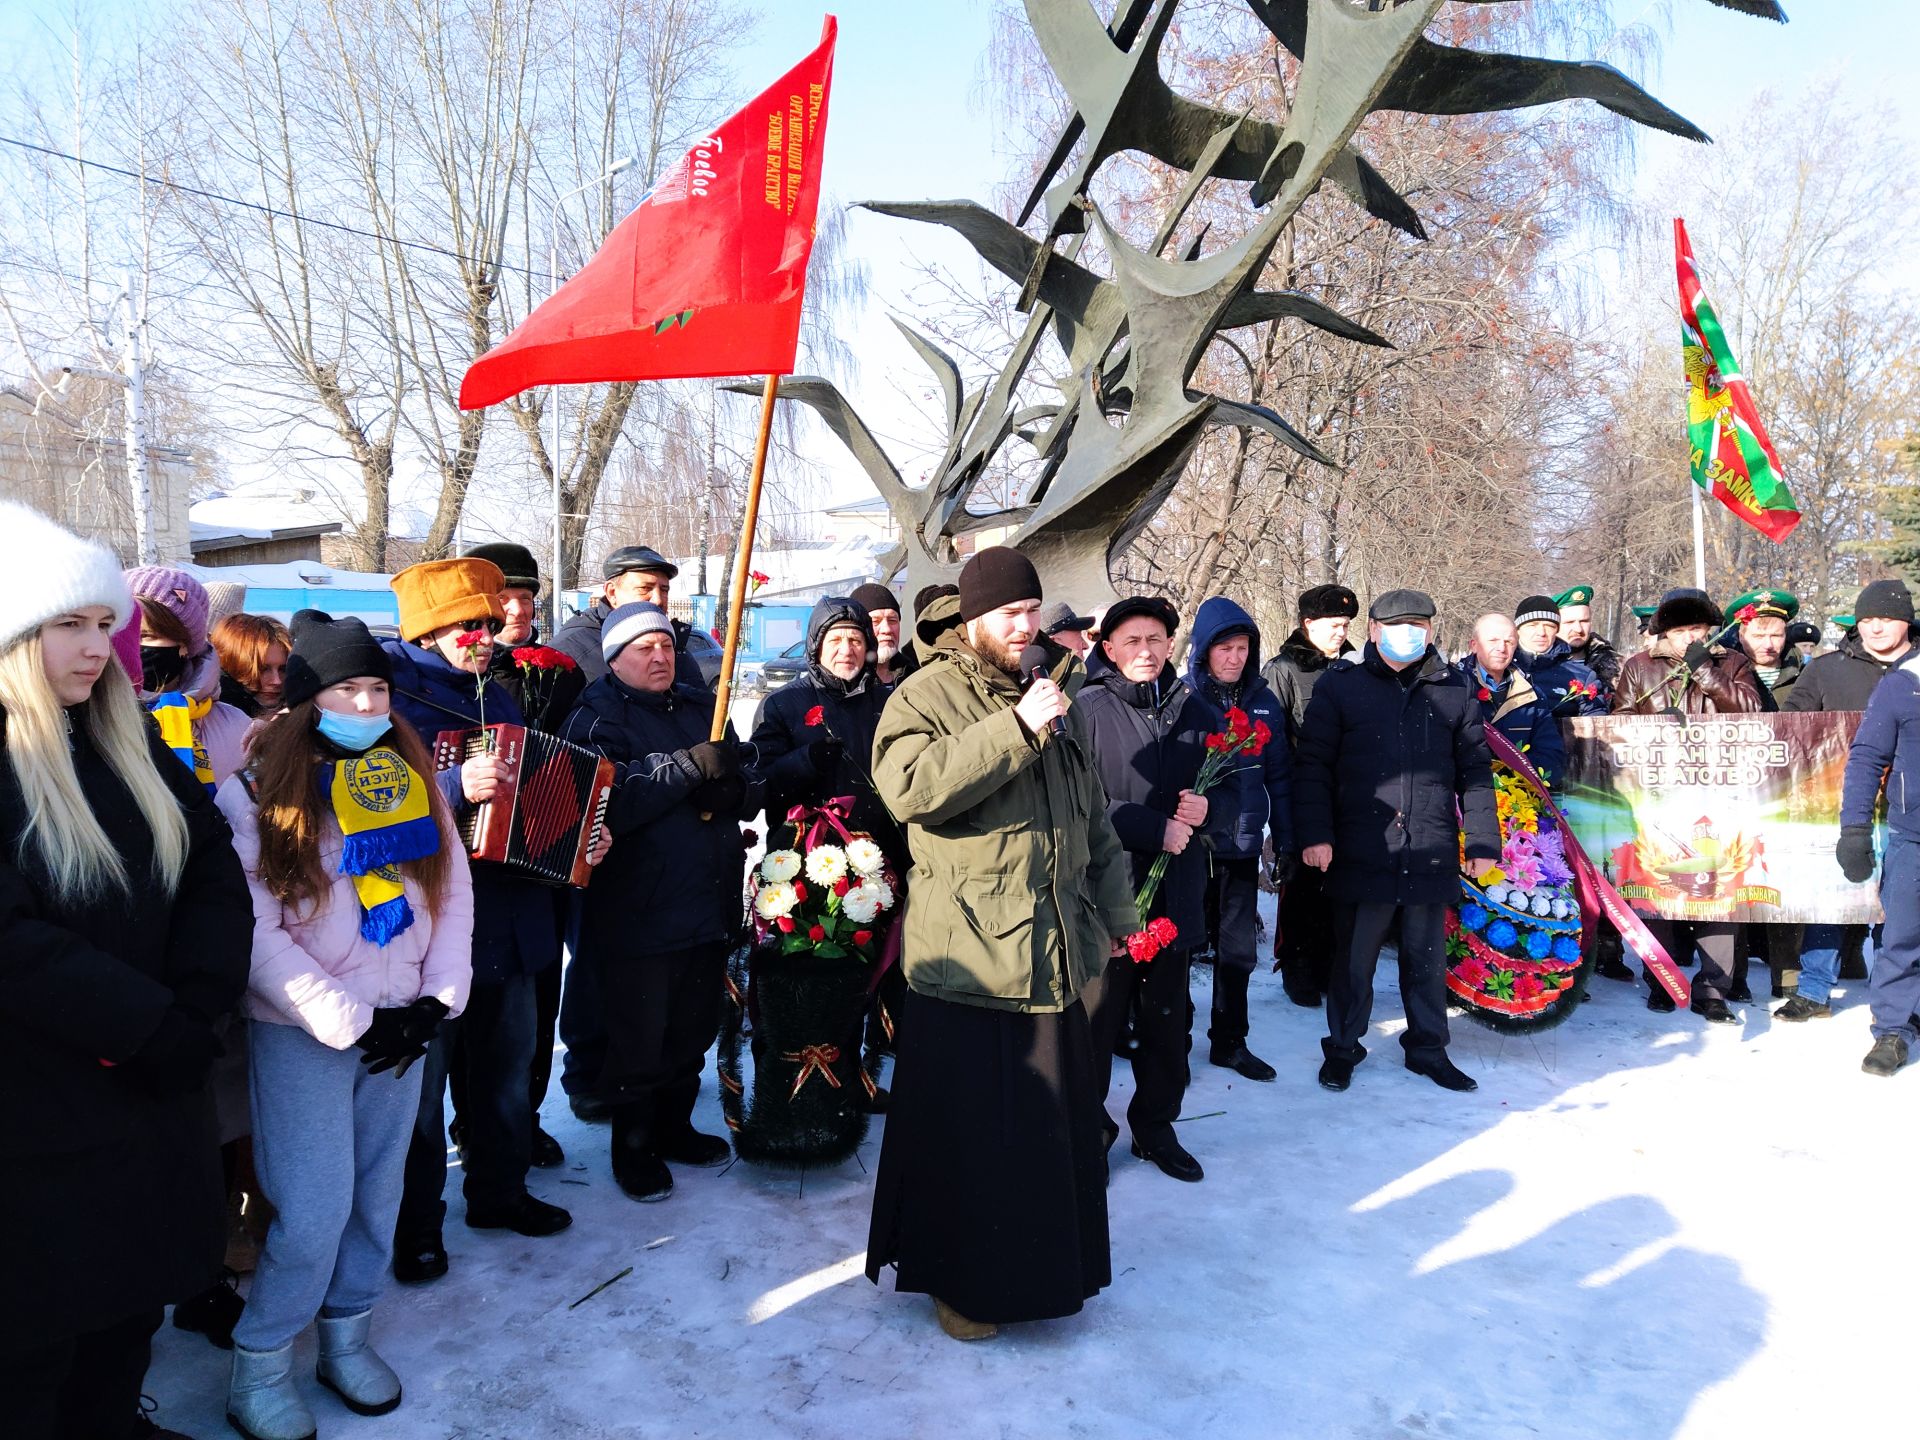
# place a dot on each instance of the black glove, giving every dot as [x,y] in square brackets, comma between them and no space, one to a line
[400,1035]
[1854,851]
[825,755]
[714,759]
[1697,655]
[176,1058]
[1281,869]
[719,797]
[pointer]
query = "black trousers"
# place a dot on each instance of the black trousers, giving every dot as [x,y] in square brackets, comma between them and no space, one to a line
[546,1024]
[85,1387]
[1234,889]
[662,1013]
[1775,946]
[491,1048]
[581,1025]
[1305,940]
[1163,1017]
[1712,940]
[1360,931]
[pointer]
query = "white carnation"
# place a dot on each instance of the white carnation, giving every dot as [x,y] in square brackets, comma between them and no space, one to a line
[865,856]
[775,900]
[860,904]
[826,864]
[779,865]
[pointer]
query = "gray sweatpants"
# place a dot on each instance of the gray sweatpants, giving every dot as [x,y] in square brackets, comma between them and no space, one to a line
[330,1143]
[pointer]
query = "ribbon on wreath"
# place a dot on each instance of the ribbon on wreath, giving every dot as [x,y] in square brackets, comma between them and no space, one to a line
[812,1060]
[1596,891]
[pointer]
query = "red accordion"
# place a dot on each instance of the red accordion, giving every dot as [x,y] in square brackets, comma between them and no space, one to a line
[542,822]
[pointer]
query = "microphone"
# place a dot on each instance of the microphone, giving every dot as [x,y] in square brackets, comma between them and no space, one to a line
[1033,664]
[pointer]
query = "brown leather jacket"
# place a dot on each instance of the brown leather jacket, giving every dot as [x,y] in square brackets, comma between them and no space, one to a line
[1726,684]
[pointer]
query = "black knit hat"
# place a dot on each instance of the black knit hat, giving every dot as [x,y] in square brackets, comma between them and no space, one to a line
[1885,600]
[1683,606]
[516,562]
[996,576]
[1537,607]
[1329,602]
[1152,606]
[327,651]
[930,593]
[875,596]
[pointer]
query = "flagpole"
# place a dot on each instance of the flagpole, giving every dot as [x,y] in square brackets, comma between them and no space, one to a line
[1699,542]
[743,558]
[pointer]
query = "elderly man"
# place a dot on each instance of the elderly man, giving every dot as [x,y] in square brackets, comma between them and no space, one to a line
[891,662]
[991,1192]
[633,574]
[1576,628]
[1391,745]
[1058,622]
[1507,698]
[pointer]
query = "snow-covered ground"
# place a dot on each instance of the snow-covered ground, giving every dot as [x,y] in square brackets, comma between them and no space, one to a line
[1640,1226]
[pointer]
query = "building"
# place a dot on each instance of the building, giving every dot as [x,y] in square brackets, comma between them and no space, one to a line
[259,528]
[52,460]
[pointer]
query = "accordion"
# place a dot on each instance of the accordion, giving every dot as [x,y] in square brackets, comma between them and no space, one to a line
[542,822]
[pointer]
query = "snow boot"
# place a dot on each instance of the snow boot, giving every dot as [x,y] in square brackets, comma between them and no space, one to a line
[212,1313]
[958,1326]
[1800,1008]
[1889,1053]
[637,1165]
[262,1403]
[695,1147]
[351,1369]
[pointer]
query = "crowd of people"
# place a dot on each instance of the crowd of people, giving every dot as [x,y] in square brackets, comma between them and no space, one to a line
[248,957]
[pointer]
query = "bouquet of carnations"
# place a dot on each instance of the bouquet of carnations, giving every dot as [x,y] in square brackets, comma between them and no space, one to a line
[540,667]
[1243,736]
[832,900]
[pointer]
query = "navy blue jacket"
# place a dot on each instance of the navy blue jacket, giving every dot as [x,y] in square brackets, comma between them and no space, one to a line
[579,638]
[1527,724]
[1383,760]
[1553,672]
[515,925]
[673,879]
[1842,679]
[1886,750]
[1148,743]
[1259,788]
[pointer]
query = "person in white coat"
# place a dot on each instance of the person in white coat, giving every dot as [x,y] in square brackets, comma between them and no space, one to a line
[363,927]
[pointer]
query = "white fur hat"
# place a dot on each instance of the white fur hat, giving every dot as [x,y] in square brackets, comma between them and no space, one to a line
[50,571]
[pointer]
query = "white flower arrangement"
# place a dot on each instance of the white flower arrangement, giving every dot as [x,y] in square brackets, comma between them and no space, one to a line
[861,904]
[775,900]
[826,864]
[779,865]
[865,856]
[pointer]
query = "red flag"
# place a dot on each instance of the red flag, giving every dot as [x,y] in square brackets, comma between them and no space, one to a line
[706,276]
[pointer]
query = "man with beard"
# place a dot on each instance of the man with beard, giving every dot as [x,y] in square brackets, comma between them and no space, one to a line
[1149,739]
[891,662]
[991,1192]
[1576,629]
[1303,940]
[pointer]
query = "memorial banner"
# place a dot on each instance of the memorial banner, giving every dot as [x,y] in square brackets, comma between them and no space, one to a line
[1717,817]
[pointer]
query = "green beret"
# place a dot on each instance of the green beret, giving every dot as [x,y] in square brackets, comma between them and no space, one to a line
[1578,595]
[1845,622]
[1644,614]
[1781,604]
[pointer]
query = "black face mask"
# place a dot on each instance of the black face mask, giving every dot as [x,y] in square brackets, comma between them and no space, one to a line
[161,668]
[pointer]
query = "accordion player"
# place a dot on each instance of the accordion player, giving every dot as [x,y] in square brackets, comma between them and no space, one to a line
[542,822]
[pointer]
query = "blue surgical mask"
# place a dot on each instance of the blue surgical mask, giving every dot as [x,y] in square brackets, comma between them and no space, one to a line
[352,732]
[1403,643]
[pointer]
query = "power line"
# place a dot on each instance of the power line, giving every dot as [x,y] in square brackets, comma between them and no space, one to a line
[265,209]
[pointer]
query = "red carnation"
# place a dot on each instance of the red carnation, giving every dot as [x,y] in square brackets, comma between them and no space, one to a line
[1746,614]
[799,889]
[749,837]
[1237,721]
[1483,693]
[816,934]
[816,716]
[863,937]
[785,922]
[1163,930]
[471,639]
[1142,946]
[1218,742]
[842,885]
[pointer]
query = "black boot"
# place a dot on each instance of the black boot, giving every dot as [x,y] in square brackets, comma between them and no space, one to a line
[415,1262]
[1228,1029]
[637,1166]
[1173,1161]
[524,1215]
[212,1313]
[1889,1053]
[547,1154]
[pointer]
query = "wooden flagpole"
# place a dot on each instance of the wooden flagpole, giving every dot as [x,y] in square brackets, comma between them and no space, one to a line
[742,560]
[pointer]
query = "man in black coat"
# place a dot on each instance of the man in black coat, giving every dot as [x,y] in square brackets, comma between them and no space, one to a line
[632,574]
[1391,744]
[665,906]
[1303,940]
[1149,739]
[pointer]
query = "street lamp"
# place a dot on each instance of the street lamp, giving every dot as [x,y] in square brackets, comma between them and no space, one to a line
[625,162]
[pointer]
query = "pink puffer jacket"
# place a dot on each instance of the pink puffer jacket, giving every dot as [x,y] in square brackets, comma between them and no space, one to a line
[312,968]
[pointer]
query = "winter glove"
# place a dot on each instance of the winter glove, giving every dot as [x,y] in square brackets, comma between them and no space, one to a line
[714,759]
[398,1036]
[176,1058]
[825,755]
[719,797]
[1697,656]
[1854,851]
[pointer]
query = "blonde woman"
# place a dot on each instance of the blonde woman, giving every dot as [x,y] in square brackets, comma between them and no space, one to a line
[124,932]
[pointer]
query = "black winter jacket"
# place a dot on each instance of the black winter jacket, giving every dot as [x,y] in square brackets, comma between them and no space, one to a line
[850,713]
[672,880]
[1148,743]
[1842,679]
[1292,674]
[1387,763]
[555,694]
[1599,656]
[516,929]
[1556,677]
[579,638]
[1259,788]
[113,1201]
[1515,710]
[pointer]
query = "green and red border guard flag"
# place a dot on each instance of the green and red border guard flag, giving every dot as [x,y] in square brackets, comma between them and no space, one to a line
[706,276]
[1733,460]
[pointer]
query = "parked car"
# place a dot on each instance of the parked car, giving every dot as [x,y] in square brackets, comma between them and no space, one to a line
[708,654]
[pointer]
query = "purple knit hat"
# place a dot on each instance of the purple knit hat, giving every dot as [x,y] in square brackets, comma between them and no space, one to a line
[179,592]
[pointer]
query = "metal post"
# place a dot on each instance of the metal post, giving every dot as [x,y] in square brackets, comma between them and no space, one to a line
[138,474]
[1699,541]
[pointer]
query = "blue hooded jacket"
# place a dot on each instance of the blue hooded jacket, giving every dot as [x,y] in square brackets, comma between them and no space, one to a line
[1261,787]
[1552,671]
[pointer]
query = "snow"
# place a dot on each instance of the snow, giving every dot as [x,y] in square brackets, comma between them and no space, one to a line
[1640,1226]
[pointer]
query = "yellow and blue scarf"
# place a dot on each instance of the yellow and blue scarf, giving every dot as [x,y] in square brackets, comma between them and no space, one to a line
[385,818]
[179,718]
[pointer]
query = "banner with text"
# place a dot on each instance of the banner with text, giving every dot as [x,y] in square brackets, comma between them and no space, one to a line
[1717,817]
